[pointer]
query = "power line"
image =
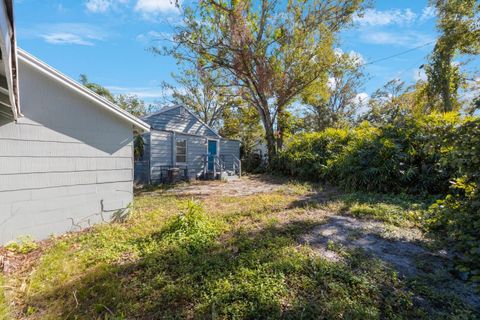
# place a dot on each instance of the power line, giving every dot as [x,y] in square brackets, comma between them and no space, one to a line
[397,54]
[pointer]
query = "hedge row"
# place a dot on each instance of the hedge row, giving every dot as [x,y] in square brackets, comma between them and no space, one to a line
[438,154]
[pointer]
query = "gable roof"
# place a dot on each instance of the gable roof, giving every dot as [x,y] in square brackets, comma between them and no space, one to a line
[71,84]
[169,108]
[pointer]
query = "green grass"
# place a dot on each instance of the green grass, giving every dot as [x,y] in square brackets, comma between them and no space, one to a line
[398,210]
[3,303]
[222,258]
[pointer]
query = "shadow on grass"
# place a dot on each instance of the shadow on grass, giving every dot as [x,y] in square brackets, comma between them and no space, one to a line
[249,274]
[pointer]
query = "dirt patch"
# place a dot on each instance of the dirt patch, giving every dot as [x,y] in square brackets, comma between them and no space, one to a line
[398,248]
[244,186]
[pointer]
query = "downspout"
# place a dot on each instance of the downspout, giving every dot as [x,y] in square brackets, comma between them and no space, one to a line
[174,150]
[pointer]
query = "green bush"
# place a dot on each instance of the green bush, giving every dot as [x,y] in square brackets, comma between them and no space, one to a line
[437,154]
[457,216]
[309,156]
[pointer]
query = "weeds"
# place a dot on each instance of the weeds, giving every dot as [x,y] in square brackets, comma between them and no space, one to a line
[3,303]
[23,245]
[222,258]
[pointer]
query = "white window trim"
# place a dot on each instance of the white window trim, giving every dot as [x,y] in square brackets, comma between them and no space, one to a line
[186,150]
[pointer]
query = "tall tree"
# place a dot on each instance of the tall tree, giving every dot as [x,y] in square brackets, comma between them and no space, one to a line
[128,102]
[242,123]
[201,90]
[131,103]
[459,27]
[335,103]
[98,89]
[390,103]
[270,51]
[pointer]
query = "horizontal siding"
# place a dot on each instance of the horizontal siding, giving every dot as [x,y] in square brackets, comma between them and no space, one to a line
[227,149]
[175,121]
[196,148]
[66,165]
[59,164]
[27,148]
[161,148]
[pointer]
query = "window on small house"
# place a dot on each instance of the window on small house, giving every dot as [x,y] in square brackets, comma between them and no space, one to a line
[181,151]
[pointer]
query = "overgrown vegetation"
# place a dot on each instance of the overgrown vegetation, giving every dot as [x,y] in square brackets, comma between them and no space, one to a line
[436,154]
[22,245]
[3,303]
[224,258]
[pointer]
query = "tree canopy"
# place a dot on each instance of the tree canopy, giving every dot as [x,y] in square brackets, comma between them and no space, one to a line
[268,52]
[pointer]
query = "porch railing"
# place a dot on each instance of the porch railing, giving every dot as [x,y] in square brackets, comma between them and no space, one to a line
[214,164]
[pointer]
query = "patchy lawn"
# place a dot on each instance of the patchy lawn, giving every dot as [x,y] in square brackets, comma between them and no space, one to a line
[217,250]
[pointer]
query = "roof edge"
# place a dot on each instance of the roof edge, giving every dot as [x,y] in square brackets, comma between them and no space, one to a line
[75,86]
[169,108]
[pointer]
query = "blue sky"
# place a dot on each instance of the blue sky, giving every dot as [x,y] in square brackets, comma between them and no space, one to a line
[108,40]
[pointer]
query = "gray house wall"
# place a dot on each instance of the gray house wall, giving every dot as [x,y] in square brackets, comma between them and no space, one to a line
[66,165]
[173,124]
[229,148]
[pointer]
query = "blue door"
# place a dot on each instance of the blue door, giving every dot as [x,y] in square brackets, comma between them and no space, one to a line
[212,152]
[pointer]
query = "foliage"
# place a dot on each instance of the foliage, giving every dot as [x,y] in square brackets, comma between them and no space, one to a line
[242,123]
[4,314]
[309,155]
[459,34]
[403,156]
[138,147]
[335,103]
[191,230]
[201,90]
[23,245]
[230,258]
[268,53]
[98,89]
[131,103]
[436,154]
[457,216]
[128,102]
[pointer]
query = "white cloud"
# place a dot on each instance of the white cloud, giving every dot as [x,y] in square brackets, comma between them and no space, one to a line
[331,83]
[361,98]
[419,74]
[152,36]
[428,13]
[148,93]
[103,5]
[408,39]
[70,33]
[374,17]
[152,8]
[66,38]
[357,57]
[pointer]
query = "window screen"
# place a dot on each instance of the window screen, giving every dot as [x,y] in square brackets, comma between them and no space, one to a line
[181,151]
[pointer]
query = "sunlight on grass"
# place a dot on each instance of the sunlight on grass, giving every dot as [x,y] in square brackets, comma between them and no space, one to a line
[3,303]
[221,257]
[401,210]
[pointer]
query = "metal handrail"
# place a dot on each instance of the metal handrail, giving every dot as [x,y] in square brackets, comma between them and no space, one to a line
[219,163]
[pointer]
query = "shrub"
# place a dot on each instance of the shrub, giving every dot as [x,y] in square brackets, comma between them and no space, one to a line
[436,154]
[457,216]
[308,156]
[191,229]
[23,245]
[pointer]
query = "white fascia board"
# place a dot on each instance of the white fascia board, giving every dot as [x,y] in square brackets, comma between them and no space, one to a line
[83,91]
[6,34]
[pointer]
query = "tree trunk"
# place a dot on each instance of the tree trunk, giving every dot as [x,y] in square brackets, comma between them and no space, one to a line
[271,144]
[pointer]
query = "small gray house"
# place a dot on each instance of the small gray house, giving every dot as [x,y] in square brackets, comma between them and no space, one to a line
[180,145]
[66,154]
